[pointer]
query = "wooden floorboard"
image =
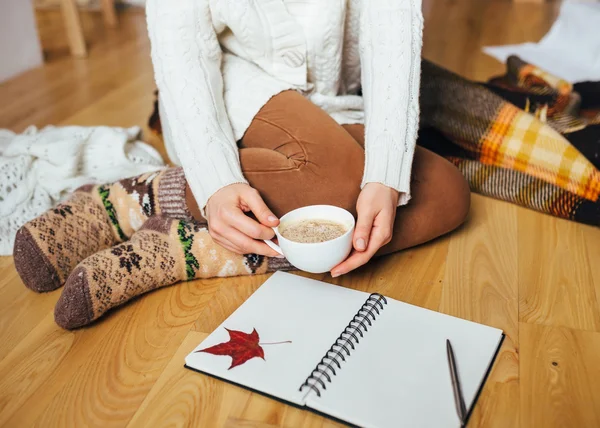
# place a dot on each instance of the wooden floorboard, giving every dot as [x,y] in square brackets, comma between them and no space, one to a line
[555,273]
[534,276]
[559,377]
[481,284]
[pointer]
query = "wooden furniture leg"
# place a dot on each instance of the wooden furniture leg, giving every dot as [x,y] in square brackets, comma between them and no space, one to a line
[74,28]
[110,15]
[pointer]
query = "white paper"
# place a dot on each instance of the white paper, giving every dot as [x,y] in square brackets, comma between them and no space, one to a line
[570,50]
[286,307]
[398,376]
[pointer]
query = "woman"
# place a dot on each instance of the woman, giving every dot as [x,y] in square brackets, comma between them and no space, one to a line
[314,92]
[269,105]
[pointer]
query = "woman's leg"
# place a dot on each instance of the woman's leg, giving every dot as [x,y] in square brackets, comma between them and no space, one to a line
[440,199]
[163,252]
[295,154]
[93,218]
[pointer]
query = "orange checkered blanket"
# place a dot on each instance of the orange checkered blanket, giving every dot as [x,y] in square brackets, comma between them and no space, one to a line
[527,137]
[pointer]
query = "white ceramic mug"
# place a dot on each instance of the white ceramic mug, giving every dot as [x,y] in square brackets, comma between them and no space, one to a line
[321,256]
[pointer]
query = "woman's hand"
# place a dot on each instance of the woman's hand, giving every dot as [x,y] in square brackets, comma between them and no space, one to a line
[376,208]
[231,228]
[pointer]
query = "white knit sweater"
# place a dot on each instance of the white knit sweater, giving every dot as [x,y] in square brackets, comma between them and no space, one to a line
[217,62]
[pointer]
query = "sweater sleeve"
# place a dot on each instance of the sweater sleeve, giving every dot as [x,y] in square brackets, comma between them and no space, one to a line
[187,65]
[390,49]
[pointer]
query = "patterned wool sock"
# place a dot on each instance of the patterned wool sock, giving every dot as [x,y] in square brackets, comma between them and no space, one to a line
[49,247]
[163,252]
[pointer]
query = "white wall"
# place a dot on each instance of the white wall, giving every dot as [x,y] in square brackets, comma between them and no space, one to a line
[19,44]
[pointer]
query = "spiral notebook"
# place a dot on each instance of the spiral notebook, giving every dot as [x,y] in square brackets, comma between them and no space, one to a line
[361,358]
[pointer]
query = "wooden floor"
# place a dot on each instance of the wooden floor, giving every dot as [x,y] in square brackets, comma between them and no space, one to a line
[535,277]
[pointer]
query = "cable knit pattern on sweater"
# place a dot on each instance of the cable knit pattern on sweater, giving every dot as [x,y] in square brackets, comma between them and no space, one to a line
[217,62]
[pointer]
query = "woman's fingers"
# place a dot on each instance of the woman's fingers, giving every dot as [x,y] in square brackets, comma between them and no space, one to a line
[238,243]
[362,232]
[357,258]
[381,234]
[240,221]
[246,245]
[258,207]
[231,228]
[234,240]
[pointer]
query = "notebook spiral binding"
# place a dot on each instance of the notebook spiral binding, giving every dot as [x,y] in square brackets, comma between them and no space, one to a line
[345,343]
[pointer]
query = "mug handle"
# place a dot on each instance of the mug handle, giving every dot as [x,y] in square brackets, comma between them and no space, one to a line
[273,245]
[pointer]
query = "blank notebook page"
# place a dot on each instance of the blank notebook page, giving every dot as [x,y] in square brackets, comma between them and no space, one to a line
[286,307]
[398,375]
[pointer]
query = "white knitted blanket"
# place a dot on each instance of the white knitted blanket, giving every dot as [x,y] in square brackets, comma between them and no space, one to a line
[38,168]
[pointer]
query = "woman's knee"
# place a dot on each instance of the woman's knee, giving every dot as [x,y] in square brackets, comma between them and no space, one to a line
[459,191]
[455,190]
[440,186]
[334,172]
[296,154]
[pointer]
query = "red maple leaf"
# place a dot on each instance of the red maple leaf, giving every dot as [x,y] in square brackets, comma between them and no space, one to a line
[241,347]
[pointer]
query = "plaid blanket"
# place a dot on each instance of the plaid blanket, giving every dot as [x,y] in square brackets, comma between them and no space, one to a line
[527,137]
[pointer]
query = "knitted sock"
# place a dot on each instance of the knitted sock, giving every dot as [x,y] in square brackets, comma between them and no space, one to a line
[163,252]
[49,247]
